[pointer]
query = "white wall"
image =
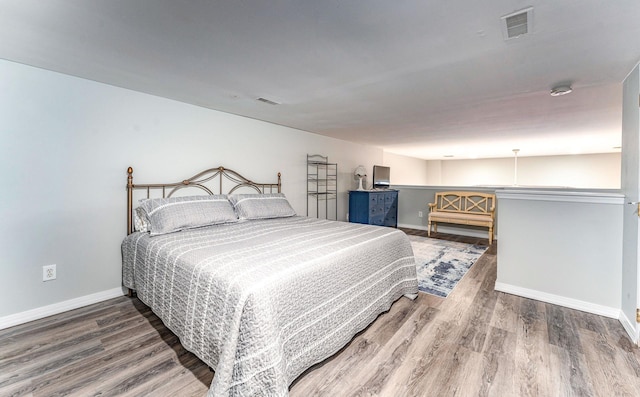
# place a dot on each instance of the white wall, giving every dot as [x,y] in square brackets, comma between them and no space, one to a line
[405,170]
[65,146]
[434,172]
[591,171]
[631,190]
[595,171]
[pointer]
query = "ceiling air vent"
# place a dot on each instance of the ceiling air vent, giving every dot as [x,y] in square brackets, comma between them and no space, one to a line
[517,24]
[265,100]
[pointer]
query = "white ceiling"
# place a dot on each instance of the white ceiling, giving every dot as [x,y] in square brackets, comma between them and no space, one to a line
[424,78]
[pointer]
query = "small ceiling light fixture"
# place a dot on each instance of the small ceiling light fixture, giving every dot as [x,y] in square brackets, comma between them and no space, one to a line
[561,90]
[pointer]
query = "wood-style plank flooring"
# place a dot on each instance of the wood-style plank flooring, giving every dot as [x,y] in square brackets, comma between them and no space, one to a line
[476,342]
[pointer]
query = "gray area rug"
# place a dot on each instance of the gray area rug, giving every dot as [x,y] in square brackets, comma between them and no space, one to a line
[441,264]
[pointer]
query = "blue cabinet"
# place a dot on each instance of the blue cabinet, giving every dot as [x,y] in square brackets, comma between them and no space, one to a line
[374,207]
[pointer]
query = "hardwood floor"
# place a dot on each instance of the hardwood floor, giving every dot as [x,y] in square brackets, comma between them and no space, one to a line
[476,342]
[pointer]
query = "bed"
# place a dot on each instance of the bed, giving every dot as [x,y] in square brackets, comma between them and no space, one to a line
[259,294]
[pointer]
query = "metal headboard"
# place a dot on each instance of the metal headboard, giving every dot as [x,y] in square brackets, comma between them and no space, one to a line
[197,181]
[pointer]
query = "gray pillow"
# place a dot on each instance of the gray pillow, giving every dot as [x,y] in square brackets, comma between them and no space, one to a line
[173,214]
[261,206]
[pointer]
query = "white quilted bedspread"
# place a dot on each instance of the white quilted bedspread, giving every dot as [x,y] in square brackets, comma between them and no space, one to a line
[262,301]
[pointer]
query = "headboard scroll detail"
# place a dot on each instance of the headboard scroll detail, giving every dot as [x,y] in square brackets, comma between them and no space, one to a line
[198,181]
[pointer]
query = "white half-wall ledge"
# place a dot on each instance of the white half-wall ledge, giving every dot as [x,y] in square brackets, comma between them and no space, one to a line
[561,196]
[57,308]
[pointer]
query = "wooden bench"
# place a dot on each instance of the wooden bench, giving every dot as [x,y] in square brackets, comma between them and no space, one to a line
[463,208]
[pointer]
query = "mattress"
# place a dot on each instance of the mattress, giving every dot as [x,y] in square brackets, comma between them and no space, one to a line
[261,301]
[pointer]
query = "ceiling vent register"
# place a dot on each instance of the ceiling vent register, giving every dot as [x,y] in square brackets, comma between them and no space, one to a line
[517,24]
[268,101]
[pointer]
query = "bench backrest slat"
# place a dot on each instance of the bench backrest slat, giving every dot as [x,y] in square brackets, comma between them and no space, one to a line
[466,202]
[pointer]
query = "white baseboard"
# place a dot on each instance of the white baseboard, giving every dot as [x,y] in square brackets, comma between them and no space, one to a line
[60,307]
[630,327]
[571,303]
[451,230]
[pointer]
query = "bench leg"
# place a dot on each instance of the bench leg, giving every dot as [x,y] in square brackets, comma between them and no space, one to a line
[490,235]
[435,228]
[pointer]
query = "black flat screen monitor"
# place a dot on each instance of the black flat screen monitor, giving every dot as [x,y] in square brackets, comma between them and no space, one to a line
[381,177]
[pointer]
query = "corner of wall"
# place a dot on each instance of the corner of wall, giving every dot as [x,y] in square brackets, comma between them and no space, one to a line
[630,326]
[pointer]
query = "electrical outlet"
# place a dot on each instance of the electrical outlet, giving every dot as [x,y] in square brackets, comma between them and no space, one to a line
[48,272]
[419,214]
